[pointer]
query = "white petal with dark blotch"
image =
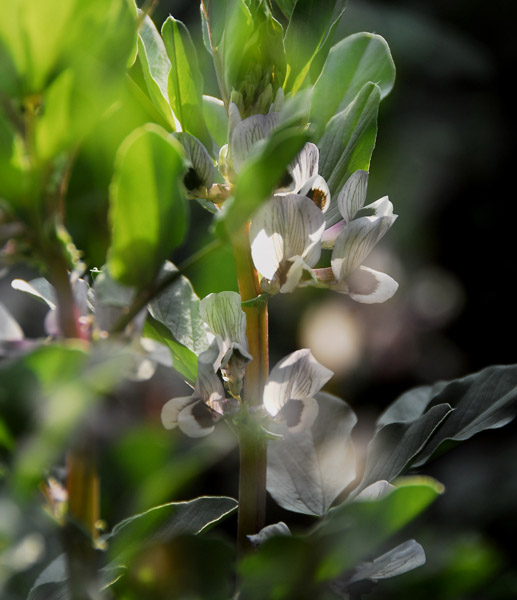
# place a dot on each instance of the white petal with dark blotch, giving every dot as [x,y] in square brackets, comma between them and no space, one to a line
[196,420]
[356,241]
[283,228]
[352,195]
[172,409]
[370,287]
[298,415]
[247,133]
[317,190]
[201,172]
[305,165]
[298,271]
[298,376]
[208,387]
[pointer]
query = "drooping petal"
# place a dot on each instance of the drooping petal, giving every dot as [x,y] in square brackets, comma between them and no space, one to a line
[298,376]
[247,133]
[368,286]
[285,227]
[357,240]
[172,409]
[352,195]
[196,420]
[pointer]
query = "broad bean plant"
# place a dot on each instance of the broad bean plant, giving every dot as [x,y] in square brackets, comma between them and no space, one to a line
[109,152]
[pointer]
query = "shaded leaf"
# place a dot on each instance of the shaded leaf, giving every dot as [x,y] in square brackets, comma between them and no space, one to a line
[395,445]
[308,470]
[148,210]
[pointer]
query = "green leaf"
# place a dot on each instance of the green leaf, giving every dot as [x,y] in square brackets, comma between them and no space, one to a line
[216,119]
[156,66]
[353,62]
[259,177]
[178,308]
[395,445]
[484,400]
[310,24]
[148,209]
[183,359]
[353,531]
[308,470]
[161,524]
[348,142]
[185,81]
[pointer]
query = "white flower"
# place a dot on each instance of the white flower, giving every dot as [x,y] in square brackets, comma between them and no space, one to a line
[285,238]
[353,239]
[196,415]
[225,318]
[290,389]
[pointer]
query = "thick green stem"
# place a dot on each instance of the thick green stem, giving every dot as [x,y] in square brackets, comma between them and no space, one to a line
[252,444]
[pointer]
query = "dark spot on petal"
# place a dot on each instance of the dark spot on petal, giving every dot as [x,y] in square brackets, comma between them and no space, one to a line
[192,180]
[291,412]
[286,180]
[362,282]
[319,197]
[203,415]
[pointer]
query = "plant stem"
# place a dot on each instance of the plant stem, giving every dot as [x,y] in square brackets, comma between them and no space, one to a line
[252,444]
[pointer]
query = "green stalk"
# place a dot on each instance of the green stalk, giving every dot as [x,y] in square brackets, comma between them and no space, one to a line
[252,443]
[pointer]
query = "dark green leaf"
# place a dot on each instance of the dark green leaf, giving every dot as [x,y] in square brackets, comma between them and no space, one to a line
[148,210]
[395,445]
[348,143]
[308,470]
[353,62]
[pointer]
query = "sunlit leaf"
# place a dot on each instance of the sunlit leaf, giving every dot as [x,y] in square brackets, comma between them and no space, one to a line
[185,81]
[308,470]
[148,210]
[258,178]
[310,24]
[156,66]
[347,144]
[216,118]
[353,62]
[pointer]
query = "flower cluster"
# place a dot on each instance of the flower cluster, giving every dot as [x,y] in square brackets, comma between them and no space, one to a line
[289,391]
[289,231]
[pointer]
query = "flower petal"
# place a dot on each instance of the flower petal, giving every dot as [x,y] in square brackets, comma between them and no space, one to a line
[298,376]
[317,190]
[352,195]
[305,165]
[371,287]
[196,420]
[357,240]
[172,409]
[298,415]
[298,271]
[283,228]
[224,316]
[247,133]
[201,171]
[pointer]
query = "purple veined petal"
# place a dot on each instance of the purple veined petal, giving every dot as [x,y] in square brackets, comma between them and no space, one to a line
[247,133]
[298,376]
[317,190]
[172,409]
[196,420]
[352,195]
[305,165]
[224,316]
[283,228]
[356,241]
[298,415]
